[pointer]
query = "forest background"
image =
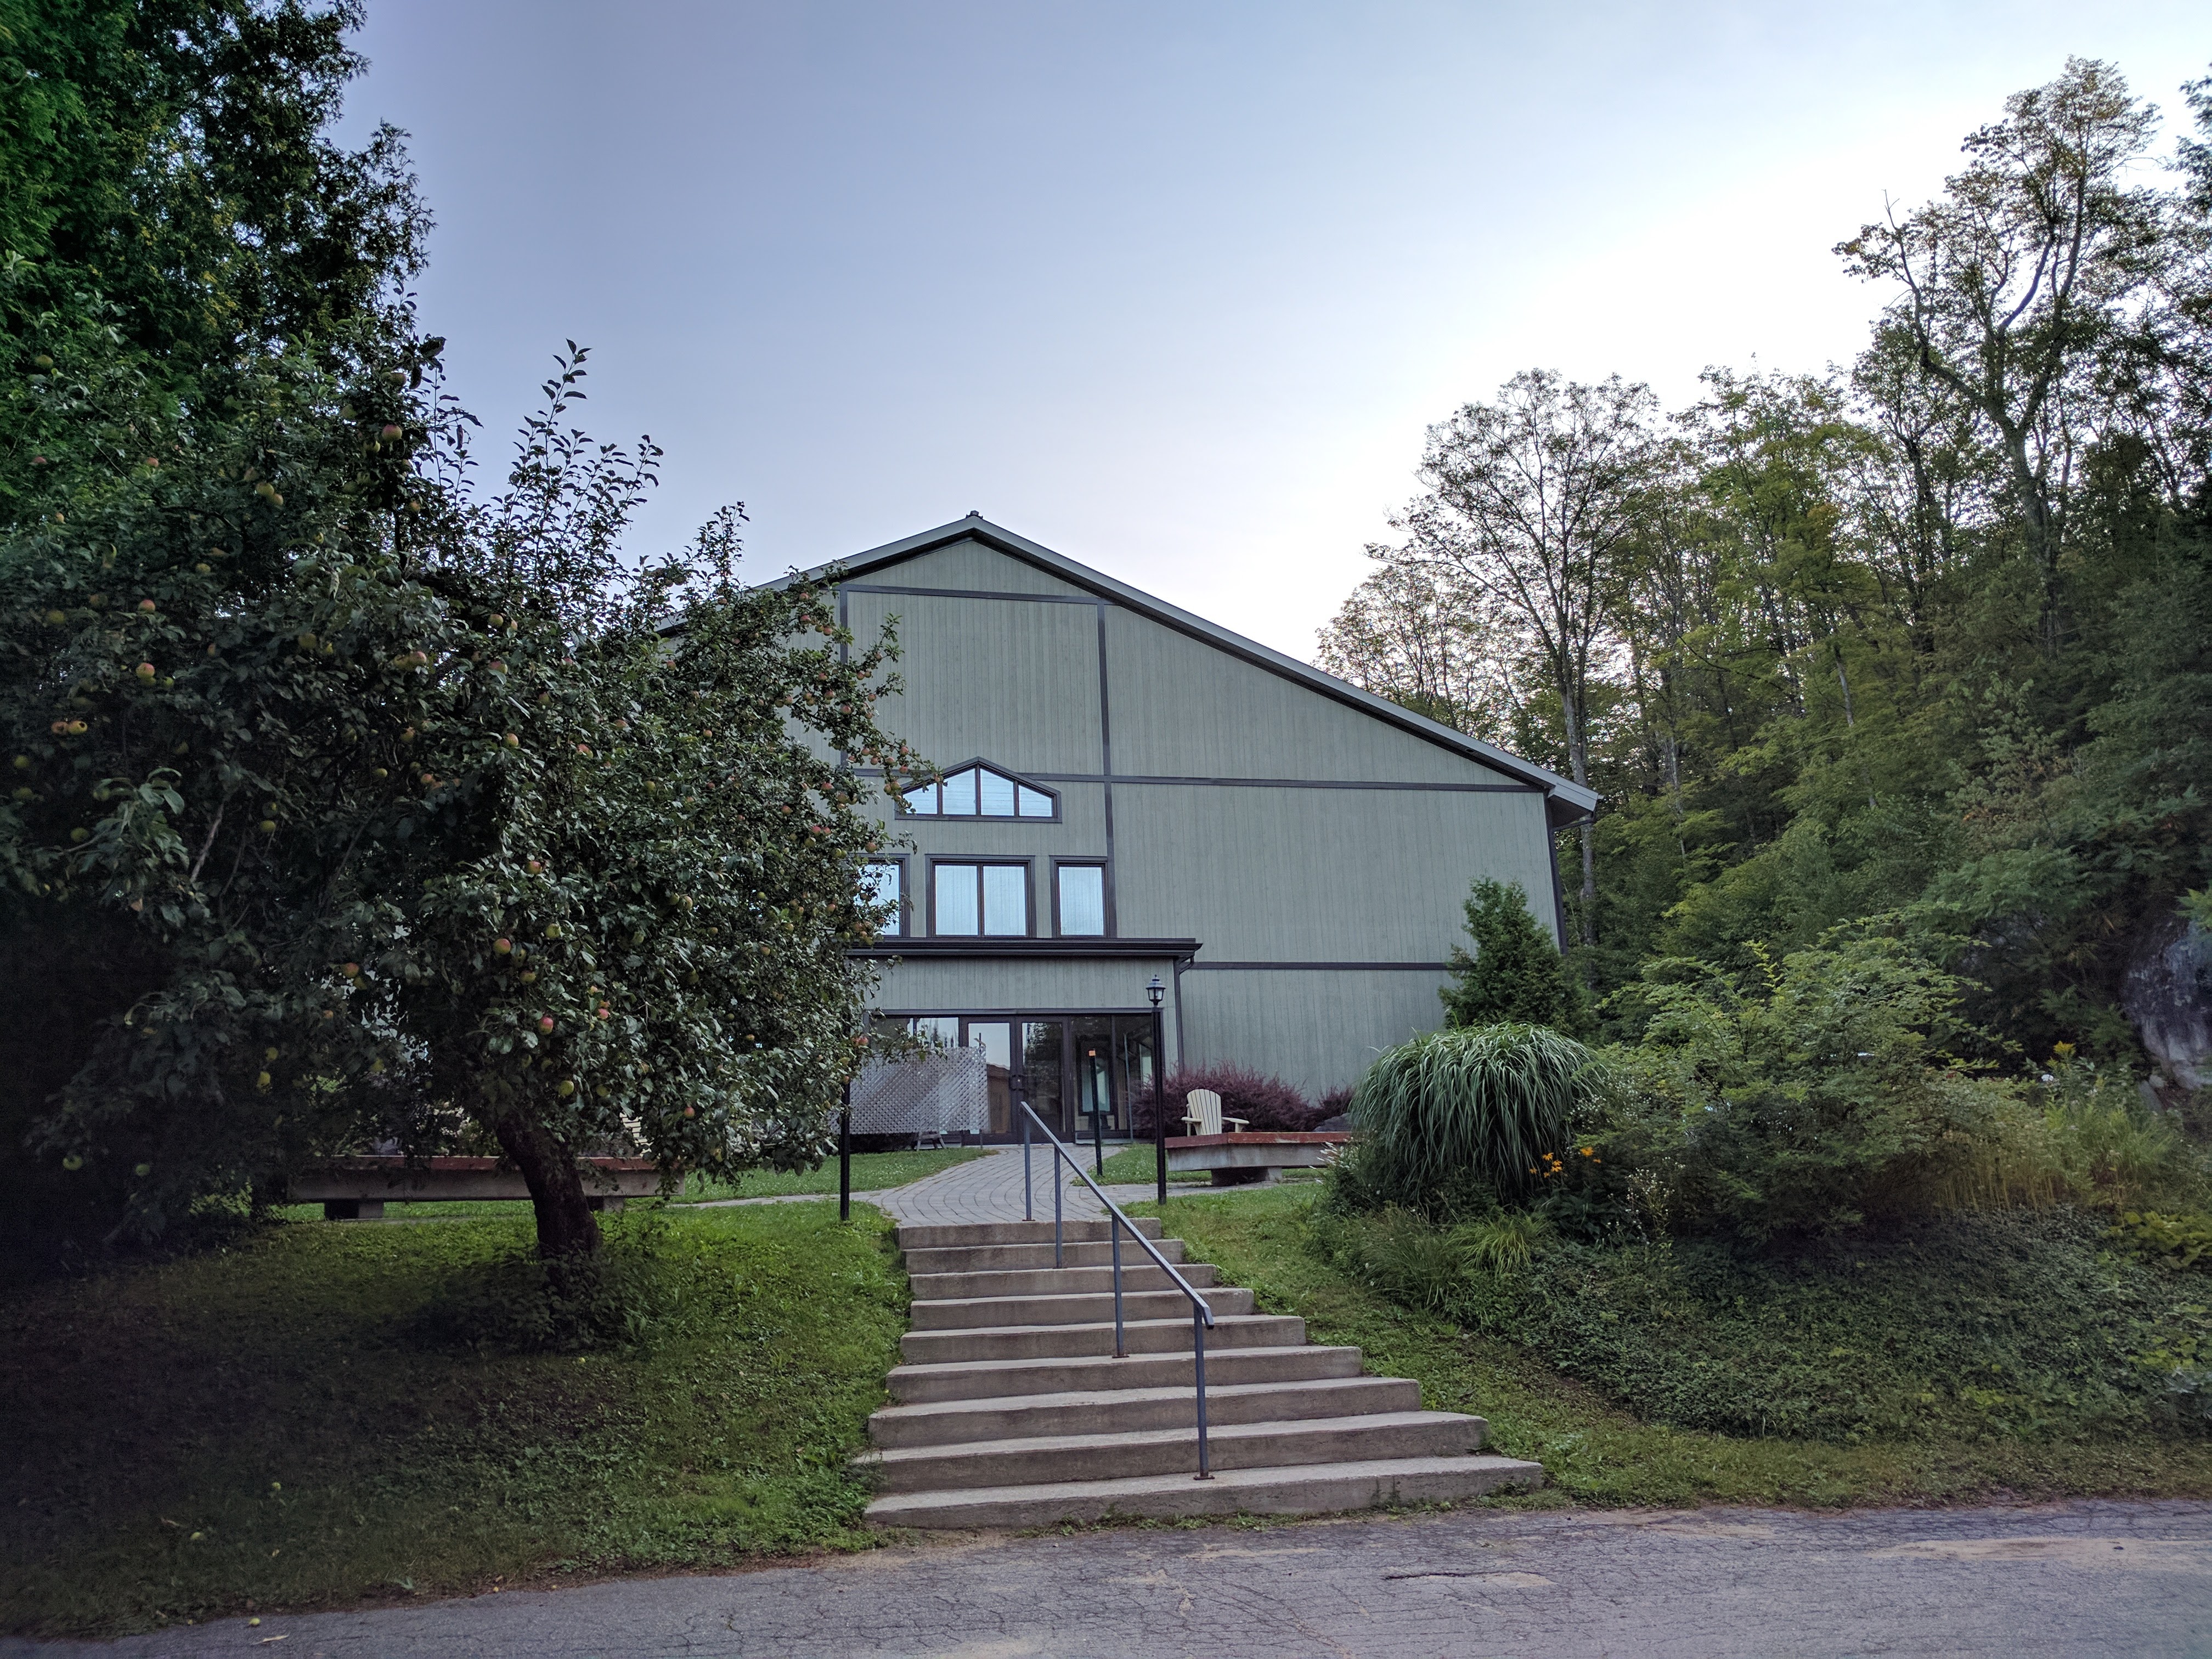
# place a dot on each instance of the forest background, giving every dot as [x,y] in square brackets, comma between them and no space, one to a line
[1917,648]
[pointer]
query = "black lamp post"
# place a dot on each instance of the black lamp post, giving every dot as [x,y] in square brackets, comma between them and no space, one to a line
[1156,991]
[845,1156]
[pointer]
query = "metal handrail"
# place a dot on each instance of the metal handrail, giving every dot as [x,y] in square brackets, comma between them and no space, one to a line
[1202,1314]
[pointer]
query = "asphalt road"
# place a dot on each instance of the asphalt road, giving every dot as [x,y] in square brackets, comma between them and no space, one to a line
[2131,1579]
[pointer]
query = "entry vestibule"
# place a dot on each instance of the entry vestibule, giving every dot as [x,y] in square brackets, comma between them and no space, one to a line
[1074,1069]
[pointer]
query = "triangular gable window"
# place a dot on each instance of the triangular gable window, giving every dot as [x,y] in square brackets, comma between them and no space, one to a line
[980,792]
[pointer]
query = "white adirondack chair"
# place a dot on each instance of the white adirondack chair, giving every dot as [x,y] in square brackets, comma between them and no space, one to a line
[1203,1110]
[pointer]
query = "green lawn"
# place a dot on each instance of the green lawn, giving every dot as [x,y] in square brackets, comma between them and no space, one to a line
[1595,1452]
[1139,1162]
[275,1424]
[873,1172]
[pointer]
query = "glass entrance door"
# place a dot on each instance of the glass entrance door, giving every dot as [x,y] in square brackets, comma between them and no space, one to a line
[995,1037]
[1044,1061]
[1113,1065]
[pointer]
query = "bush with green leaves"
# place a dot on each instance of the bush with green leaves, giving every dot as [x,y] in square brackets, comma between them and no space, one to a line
[1464,1116]
[1516,975]
[1806,1095]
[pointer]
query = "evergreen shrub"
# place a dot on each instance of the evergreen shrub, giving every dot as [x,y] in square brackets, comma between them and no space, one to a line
[1516,975]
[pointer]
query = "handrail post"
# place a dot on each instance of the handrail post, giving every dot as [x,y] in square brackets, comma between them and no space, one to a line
[1198,1354]
[1201,1315]
[1113,1231]
[1028,1210]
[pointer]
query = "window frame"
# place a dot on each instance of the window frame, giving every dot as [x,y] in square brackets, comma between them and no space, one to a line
[1105,896]
[937,814]
[1026,865]
[905,919]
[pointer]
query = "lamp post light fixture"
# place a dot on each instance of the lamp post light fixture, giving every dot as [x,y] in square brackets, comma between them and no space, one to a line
[1156,991]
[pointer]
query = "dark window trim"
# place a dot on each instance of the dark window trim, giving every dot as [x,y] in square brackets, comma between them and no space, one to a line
[1021,780]
[971,594]
[993,1015]
[1039,780]
[1105,888]
[1028,868]
[1320,967]
[906,892]
[932,946]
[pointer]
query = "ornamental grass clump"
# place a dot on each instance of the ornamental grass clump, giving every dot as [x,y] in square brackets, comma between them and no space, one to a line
[1458,1110]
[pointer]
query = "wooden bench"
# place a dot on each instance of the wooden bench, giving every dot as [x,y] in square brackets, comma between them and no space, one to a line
[1253,1159]
[358,1188]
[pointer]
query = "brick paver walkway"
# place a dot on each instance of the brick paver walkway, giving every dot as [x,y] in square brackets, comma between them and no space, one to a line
[990,1189]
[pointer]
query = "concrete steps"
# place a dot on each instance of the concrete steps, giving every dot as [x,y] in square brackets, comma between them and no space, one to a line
[1011,1411]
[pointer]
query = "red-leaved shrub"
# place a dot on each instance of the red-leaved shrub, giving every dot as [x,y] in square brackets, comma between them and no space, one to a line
[1266,1102]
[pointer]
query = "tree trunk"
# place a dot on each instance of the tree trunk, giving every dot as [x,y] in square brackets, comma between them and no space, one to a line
[1578,767]
[566,1225]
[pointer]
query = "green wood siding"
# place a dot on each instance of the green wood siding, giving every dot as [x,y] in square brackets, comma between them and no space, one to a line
[1319,875]
[1009,678]
[1183,707]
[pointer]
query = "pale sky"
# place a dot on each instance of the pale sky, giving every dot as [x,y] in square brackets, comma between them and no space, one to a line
[1173,289]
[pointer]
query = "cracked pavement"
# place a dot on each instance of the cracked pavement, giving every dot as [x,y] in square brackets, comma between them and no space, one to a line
[2086,1579]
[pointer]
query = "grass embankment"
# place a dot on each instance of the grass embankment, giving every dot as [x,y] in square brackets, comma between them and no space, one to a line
[1595,1451]
[279,1424]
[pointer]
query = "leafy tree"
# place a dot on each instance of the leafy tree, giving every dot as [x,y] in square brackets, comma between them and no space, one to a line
[299,727]
[424,824]
[1412,635]
[1921,642]
[1516,975]
[1532,504]
[176,213]
[2022,277]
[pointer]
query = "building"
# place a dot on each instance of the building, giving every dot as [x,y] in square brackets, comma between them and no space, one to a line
[1131,792]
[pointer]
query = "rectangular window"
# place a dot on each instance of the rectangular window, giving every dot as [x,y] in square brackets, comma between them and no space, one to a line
[958,909]
[1082,900]
[1005,900]
[886,884]
[989,900]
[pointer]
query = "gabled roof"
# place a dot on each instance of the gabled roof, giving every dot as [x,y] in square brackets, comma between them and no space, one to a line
[1568,801]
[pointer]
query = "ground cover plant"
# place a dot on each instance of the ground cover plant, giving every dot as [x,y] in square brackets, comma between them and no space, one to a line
[297,1421]
[1596,1449]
